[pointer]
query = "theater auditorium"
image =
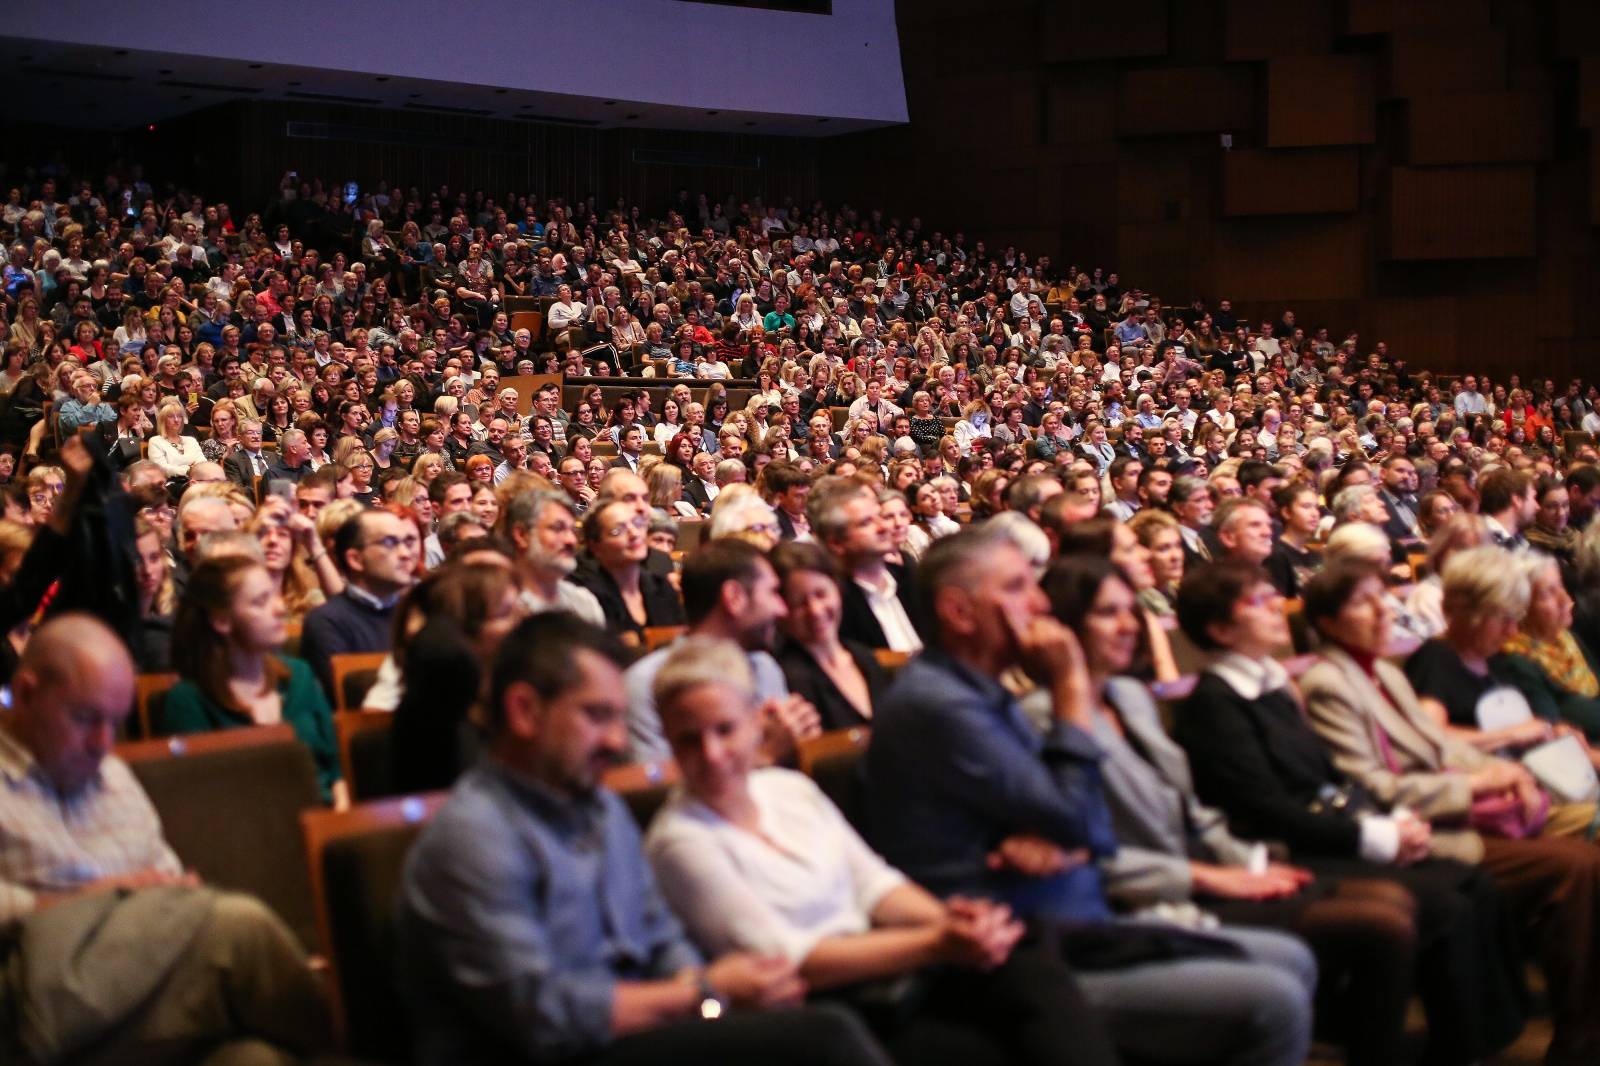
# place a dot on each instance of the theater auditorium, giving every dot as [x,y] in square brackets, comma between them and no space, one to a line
[851,532]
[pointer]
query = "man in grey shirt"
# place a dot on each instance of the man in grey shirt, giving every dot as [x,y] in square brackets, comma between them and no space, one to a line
[529,926]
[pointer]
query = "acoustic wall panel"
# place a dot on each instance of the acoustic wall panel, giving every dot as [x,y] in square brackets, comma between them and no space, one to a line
[1483,212]
[1288,259]
[1479,127]
[1125,30]
[1453,60]
[1321,100]
[1267,29]
[1184,100]
[1288,181]
[1388,16]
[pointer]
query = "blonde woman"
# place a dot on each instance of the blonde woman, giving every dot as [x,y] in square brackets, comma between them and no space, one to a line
[171,449]
[296,559]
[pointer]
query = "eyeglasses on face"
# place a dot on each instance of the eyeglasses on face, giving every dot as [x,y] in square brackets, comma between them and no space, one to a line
[390,543]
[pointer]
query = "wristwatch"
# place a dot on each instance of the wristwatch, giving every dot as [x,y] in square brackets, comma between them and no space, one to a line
[711,1005]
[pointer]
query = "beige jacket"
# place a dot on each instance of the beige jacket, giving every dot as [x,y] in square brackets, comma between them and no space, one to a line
[1431,768]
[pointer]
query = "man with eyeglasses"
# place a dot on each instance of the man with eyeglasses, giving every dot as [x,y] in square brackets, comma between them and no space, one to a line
[574,480]
[377,552]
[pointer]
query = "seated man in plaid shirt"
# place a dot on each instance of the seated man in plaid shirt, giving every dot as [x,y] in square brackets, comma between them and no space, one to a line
[109,951]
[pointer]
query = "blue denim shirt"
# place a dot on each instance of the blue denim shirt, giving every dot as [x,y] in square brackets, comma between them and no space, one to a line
[519,911]
[954,768]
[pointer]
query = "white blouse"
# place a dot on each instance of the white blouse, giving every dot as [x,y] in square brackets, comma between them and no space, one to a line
[807,876]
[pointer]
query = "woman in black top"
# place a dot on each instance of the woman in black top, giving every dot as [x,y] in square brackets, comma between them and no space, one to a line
[1255,756]
[447,631]
[1291,564]
[1486,594]
[631,597]
[840,678]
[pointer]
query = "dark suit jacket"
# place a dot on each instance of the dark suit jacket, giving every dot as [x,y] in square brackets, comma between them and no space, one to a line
[1261,764]
[809,680]
[858,623]
[694,490]
[621,462]
[237,467]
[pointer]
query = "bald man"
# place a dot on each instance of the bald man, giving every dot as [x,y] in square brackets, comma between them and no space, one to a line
[116,953]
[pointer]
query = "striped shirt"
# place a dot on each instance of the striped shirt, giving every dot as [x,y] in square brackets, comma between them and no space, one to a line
[50,843]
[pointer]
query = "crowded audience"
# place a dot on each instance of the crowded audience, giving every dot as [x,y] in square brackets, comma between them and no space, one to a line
[1210,684]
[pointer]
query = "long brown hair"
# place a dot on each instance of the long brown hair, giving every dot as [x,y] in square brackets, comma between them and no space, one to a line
[199,652]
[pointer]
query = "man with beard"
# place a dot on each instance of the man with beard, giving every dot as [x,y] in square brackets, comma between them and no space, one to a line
[730,592]
[544,529]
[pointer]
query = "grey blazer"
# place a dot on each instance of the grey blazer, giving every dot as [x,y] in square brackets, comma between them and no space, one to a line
[1150,797]
[1430,767]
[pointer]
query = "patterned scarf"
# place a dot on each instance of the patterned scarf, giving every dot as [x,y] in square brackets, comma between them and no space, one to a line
[1561,659]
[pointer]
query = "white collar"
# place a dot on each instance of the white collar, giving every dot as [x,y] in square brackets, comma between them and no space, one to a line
[1249,678]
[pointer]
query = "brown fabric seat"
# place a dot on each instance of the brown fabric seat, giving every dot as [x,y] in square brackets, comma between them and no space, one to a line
[230,806]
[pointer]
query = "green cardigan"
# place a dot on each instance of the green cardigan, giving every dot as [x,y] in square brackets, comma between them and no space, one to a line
[1549,700]
[305,707]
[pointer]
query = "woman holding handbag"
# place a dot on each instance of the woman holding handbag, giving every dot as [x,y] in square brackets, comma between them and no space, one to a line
[1482,808]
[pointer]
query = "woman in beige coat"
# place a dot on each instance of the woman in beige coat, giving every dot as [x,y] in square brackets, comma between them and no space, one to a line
[1367,713]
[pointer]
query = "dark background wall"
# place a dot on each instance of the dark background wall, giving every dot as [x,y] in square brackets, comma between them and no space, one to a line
[242,149]
[1425,172]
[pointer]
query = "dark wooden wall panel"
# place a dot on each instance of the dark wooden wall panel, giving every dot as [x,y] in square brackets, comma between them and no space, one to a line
[1072,32]
[1389,16]
[1321,100]
[1291,181]
[1426,172]
[1479,127]
[1459,59]
[1290,258]
[1462,212]
[1184,100]
[1268,29]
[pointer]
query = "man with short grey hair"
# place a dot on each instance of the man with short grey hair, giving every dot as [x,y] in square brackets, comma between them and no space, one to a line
[543,527]
[294,458]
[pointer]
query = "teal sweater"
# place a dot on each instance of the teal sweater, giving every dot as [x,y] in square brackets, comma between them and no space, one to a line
[305,707]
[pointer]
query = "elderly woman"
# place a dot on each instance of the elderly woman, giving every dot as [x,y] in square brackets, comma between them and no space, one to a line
[1486,593]
[1482,809]
[1255,756]
[1173,850]
[758,859]
[1552,668]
